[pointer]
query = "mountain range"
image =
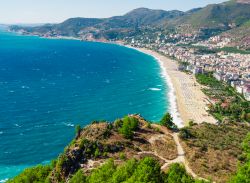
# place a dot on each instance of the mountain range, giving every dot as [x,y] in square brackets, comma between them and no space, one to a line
[227,17]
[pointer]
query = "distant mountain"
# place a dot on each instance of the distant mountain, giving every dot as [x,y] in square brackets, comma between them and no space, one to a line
[129,22]
[144,16]
[229,14]
[210,20]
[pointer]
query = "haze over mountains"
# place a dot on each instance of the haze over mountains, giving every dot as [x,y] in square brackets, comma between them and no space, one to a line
[215,18]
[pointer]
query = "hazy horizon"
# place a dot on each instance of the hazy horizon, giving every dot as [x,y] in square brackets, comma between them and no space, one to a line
[46,11]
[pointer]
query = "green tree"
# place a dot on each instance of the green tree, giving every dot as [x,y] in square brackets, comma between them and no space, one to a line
[147,171]
[128,126]
[125,171]
[167,121]
[177,173]
[79,177]
[36,174]
[103,174]
[97,153]
[243,172]
[126,131]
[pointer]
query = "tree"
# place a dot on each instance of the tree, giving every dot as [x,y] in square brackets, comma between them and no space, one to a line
[103,174]
[128,126]
[79,177]
[126,131]
[167,121]
[177,173]
[125,171]
[243,172]
[36,174]
[148,171]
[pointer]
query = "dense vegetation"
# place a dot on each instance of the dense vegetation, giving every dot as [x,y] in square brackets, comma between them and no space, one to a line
[127,126]
[243,172]
[211,150]
[146,170]
[37,174]
[226,103]
[233,50]
[143,171]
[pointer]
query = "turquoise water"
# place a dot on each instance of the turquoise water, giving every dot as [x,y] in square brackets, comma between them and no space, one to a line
[49,86]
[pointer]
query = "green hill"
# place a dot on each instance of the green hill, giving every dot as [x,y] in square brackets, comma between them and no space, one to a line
[221,15]
[129,22]
[208,21]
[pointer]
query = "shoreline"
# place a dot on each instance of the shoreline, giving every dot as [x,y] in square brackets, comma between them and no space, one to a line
[187,101]
[171,95]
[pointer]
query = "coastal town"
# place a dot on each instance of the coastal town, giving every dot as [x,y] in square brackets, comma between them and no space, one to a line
[231,67]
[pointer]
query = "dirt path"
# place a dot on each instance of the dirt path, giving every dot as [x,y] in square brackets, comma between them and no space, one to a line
[181,153]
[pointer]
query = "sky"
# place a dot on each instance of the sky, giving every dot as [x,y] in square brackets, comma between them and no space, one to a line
[55,11]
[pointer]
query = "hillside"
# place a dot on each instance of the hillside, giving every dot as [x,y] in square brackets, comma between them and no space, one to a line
[213,151]
[210,20]
[129,138]
[225,15]
[102,27]
[240,36]
[133,150]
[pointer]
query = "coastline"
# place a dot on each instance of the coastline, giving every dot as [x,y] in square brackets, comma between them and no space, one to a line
[187,100]
[171,95]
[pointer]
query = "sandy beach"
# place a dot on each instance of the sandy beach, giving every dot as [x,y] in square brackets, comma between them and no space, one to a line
[188,97]
[187,101]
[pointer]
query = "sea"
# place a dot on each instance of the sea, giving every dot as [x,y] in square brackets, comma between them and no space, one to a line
[48,86]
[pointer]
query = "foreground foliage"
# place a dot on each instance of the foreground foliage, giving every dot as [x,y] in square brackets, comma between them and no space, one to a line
[145,171]
[211,150]
[243,172]
[37,174]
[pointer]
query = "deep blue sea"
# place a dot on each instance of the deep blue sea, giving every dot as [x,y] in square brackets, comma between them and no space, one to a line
[48,86]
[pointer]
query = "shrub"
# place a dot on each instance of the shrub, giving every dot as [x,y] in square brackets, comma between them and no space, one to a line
[103,174]
[148,170]
[185,133]
[33,175]
[125,171]
[62,160]
[129,125]
[122,156]
[177,173]
[78,177]
[167,121]
[243,172]
[97,153]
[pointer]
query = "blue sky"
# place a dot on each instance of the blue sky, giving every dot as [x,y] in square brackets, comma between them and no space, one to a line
[51,11]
